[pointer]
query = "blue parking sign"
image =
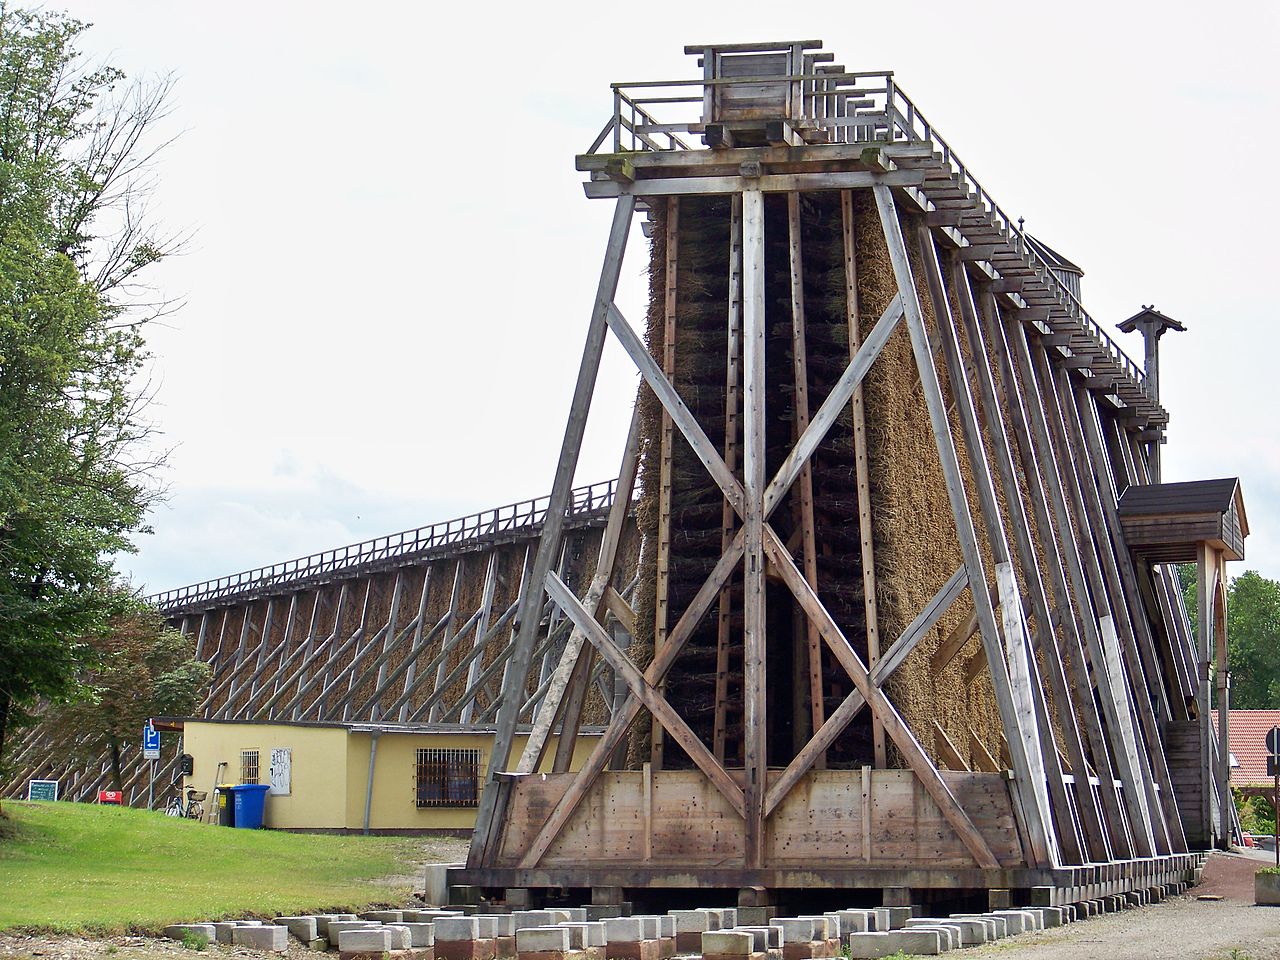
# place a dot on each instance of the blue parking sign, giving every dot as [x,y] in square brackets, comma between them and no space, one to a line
[150,742]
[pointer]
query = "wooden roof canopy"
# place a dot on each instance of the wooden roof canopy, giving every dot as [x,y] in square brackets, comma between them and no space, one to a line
[1166,522]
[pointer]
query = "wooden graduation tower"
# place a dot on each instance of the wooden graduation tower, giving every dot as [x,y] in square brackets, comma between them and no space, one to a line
[888,633]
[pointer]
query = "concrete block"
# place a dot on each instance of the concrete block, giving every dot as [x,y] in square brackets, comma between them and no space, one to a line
[274,939]
[694,921]
[486,926]
[623,930]
[382,916]
[301,928]
[222,931]
[364,940]
[730,918]
[436,881]
[796,929]
[636,950]
[948,936]
[968,932]
[456,929]
[856,921]
[559,916]
[1017,921]
[648,927]
[335,928]
[892,918]
[728,943]
[574,914]
[542,940]
[996,927]
[1049,916]
[401,938]
[420,934]
[767,938]
[585,935]
[502,924]
[749,917]
[179,931]
[532,918]
[888,942]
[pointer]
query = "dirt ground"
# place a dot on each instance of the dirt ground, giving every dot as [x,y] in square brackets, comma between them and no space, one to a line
[1183,928]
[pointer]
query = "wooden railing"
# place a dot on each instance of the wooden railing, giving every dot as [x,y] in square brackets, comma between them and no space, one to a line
[844,107]
[525,515]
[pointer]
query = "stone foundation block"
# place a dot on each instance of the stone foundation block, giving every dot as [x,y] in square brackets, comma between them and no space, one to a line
[750,917]
[856,921]
[543,940]
[428,916]
[892,918]
[531,918]
[728,943]
[420,934]
[694,921]
[624,930]
[948,936]
[603,911]
[1018,921]
[888,942]
[970,932]
[505,947]
[364,940]
[179,931]
[274,939]
[382,916]
[301,928]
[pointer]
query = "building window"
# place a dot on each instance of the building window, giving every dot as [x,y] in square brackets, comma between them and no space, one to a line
[448,778]
[248,766]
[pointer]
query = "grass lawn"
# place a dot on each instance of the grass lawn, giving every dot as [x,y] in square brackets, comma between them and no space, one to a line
[68,867]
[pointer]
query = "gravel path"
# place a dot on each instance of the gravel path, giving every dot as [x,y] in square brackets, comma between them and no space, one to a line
[1182,928]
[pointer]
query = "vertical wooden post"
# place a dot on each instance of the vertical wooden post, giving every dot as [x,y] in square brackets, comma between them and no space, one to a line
[1205,576]
[667,437]
[489,814]
[861,464]
[1223,678]
[729,516]
[808,537]
[754,733]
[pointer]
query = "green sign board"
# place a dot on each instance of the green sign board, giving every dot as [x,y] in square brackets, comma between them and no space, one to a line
[42,789]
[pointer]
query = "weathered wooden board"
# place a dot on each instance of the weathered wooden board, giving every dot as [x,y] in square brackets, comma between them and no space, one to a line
[685,820]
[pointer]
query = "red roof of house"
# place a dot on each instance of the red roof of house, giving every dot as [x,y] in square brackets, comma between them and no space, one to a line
[1247,733]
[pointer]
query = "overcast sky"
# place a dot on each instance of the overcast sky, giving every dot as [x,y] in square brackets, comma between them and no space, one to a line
[392,259]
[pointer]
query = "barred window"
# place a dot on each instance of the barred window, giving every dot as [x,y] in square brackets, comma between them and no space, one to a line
[248,766]
[448,778]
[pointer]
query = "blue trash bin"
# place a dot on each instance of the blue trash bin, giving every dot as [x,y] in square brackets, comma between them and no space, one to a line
[250,804]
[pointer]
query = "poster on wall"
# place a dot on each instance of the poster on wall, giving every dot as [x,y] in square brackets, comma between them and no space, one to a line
[281,771]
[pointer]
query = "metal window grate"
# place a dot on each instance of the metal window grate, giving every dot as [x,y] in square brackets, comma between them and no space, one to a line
[248,766]
[448,778]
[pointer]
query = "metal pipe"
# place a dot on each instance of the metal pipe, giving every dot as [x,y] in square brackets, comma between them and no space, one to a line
[368,791]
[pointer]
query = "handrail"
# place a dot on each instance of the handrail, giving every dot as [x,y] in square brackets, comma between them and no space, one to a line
[585,501]
[849,113]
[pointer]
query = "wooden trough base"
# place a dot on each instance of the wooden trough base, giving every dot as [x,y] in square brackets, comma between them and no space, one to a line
[1021,886]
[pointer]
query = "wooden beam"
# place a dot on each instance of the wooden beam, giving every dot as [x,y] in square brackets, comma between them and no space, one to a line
[769,183]
[800,423]
[862,469]
[754,451]
[662,570]
[489,815]
[947,750]
[728,518]
[680,413]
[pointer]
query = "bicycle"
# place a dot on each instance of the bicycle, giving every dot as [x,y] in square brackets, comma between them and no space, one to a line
[194,808]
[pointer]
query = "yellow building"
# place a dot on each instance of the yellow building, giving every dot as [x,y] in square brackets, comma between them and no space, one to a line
[423,778]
